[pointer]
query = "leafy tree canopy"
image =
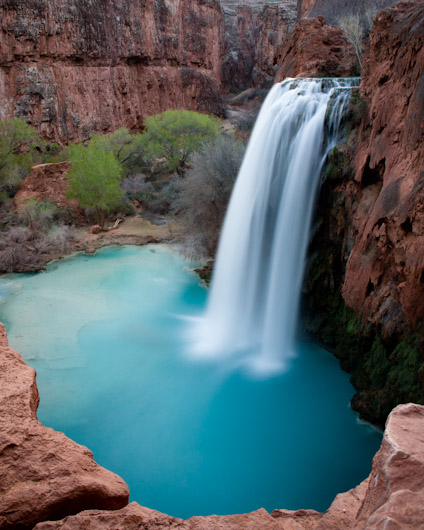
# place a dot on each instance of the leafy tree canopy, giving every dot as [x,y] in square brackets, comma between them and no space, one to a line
[176,134]
[129,149]
[94,179]
[17,140]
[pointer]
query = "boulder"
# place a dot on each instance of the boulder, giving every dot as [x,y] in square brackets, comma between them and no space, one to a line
[44,474]
[96,229]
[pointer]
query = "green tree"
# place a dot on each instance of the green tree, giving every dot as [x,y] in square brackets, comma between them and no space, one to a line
[94,179]
[17,142]
[176,134]
[129,149]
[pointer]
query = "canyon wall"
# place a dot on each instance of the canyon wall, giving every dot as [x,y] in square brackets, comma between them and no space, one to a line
[316,49]
[73,67]
[334,9]
[366,271]
[388,287]
[256,30]
[70,68]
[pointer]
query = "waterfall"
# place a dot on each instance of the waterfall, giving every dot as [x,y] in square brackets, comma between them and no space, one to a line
[253,304]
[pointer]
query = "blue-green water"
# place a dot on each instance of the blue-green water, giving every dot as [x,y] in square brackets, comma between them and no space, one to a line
[106,336]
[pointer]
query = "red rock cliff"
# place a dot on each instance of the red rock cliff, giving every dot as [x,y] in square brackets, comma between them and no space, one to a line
[255,31]
[385,271]
[315,49]
[333,9]
[72,67]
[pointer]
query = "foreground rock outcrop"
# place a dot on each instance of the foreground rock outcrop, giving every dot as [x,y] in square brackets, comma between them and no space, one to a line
[393,496]
[71,68]
[44,475]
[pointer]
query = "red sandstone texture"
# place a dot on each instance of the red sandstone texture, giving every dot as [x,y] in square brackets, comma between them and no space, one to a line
[47,182]
[70,68]
[385,271]
[255,32]
[305,7]
[392,498]
[44,475]
[315,49]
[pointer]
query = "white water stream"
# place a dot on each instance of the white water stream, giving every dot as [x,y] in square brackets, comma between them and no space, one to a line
[253,304]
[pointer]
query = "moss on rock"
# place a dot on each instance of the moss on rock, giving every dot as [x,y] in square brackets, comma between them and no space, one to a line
[385,371]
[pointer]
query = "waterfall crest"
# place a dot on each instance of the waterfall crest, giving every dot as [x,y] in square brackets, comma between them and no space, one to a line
[253,304]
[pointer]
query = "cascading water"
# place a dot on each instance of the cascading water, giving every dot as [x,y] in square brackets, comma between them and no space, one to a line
[253,304]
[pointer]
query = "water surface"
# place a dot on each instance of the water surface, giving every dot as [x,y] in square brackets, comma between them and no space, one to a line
[106,336]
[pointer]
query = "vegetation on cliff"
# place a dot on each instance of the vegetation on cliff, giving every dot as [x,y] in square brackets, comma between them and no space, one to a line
[387,369]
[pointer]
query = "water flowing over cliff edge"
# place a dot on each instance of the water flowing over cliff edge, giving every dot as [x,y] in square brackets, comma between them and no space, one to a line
[256,285]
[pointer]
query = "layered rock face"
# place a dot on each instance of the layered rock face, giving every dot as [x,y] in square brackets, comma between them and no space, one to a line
[385,271]
[256,30]
[369,245]
[70,68]
[315,49]
[44,475]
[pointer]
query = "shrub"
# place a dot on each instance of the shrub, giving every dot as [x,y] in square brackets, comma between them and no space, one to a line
[129,149]
[23,249]
[94,179]
[205,192]
[38,215]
